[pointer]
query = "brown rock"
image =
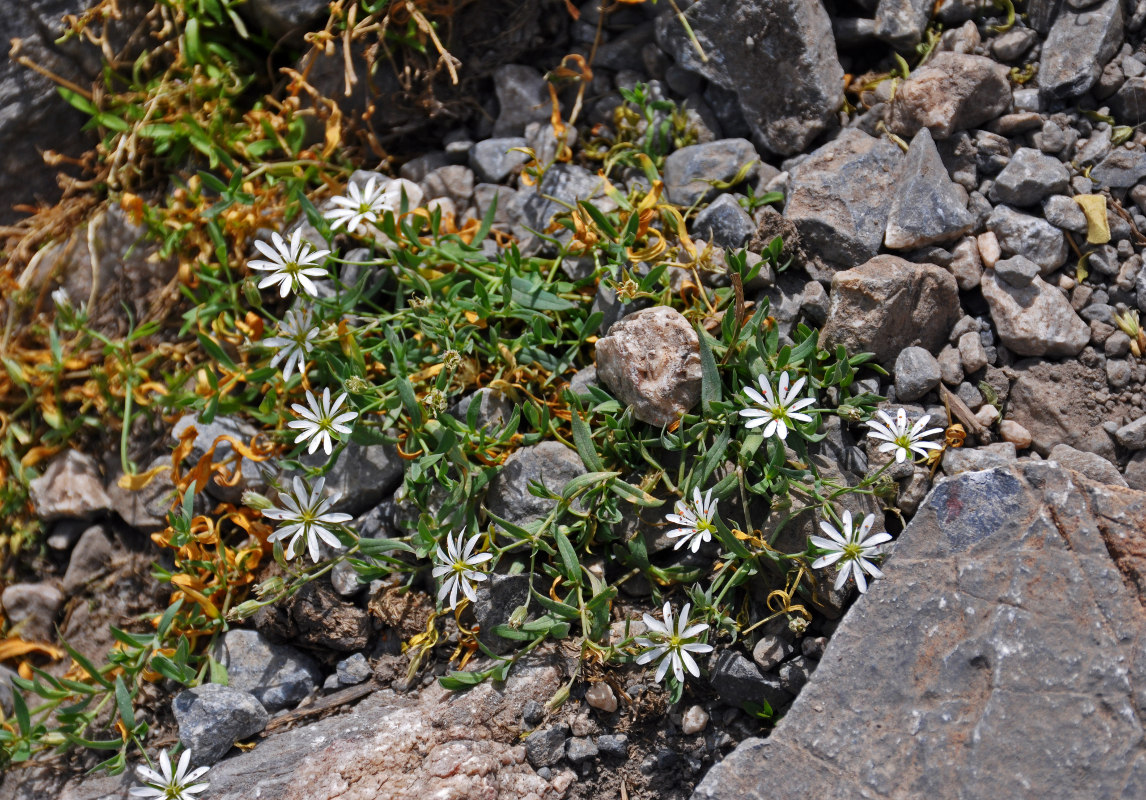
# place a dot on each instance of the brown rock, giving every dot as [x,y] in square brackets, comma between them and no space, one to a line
[1055,404]
[952,92]
[889,304]
[71,487]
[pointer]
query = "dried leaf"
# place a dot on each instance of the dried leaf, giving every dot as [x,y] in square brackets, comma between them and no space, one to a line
[1097,227]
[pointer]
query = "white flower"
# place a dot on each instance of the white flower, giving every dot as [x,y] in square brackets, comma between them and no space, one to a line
[672,643]
[897,437]
[291,264]
[180,786]
[307,514]
[459,564]
[368,204]
[696,517]
[779,408]
[295,341]
[851,549]
[320,420]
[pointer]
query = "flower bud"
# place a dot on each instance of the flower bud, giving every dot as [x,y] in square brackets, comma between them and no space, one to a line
[517,618]
[256,501]
[252,294]
[356,384]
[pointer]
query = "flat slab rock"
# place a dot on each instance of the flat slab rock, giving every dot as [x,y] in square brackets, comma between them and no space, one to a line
[1004,655]
[388,747]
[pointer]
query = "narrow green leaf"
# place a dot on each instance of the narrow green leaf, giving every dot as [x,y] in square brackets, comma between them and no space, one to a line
[123,703]
[710,388]
[570,565]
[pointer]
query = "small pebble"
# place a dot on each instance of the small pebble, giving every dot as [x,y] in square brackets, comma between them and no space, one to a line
[1015,433]
[695,720]
[989,250]
[614,744]
[601,696]
[987,415]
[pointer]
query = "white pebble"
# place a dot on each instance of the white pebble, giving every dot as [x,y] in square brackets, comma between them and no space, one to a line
[600,695]
[989,251]
[1015,433]
[695,720]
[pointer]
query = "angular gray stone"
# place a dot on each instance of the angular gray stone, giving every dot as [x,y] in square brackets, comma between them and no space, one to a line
[1011,579]
[353,670]
[724,223]
[928,206]
[565,182]
[1129,104]
[278,675]
[494,160]
[651,361]
[1034,320]
[1093,466]
[493,410]
[613,744]
[1122,169]
[889,304]
[973,459]
[522,98]
[689,170]
[212,718]
[778,56]
[1033,237]
[1132,436]
[497,599]
[1018,271]
[550,463]
[30,609]
[840,197]
[546,747]
[91,558]
[580,749]
[70,488]
[1029,177]
[901,23]
[362,476]
[740,683]
[916,373]
[1062,212]
[972,353]
[770,651]
[1013,45]
[952,92]
[1077,48]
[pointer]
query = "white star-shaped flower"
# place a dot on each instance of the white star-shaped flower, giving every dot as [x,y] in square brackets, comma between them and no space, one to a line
[320,420]
[306,514]
[672,643]
[291,264]
[363,206]
[696,519]
[779,409]
[295,340]
[458,565]
[165,786]
[896,435]
[851,549]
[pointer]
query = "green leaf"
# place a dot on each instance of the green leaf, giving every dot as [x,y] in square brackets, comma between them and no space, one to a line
[714,456]
[217,671]
[78,101]
[168,618]
[123,703]
[376,547]
[600,219]
[710,388]
[529,295]
[87,666]
[582,482]
[23,718]
[571,567]
[635,494]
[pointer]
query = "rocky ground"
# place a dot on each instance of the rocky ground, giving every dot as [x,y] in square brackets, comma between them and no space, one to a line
[978,224]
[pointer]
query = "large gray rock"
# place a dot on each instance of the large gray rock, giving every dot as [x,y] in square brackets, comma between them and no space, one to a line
[567,183]
[840,196]
[651,361]
[278,675]
[1077,48]
[1091,465]
[739,682]
[1055,403]
[1034,320]
[212,718]
[404,747]
[70,488]
[30,609]
[522,98]
[494,160]
[952,92]
[286,17]
[550,463]
[689,171]
[901,23]
[889,304]
[1029,177]
[724,223]
[928,207]
[362,476]
[778,56]
[1121,169]
[497,599]
[1033,237]
[1019,675]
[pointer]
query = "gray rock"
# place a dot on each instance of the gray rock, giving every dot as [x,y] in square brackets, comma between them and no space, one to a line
[613,744]
[1116,345]
[901,23]
[1017,271]
[31,609]
[689,171]
[973,459]
[981,695]
[497,599]
[916,373]
[651,361]
[353,670]
[1132,436]
[1028,178]
[419,167]
[778,56]
[928,206]
[546,747]
[1077,48]
[493,411]
[1035,320]
[145,509]
[724,223]
[770,651]
[1055,403]
[453,182]
[739,683]
[212,718]
[566,183]
[889,304]
[522,98]
[70,488]
[580,749]
[582,379]
[1033,237]
[281,18]
[494,160]
[972,353]
[952,92]
[950,366]
[1012,45]
[362,476]
[1062,212]
[1091,465]
[206,435]
[507,200]
[1129,104]
[1121,169]
[278,675]
[550,463]
[91,558]
[795,673]
[840,197]
[967,264]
